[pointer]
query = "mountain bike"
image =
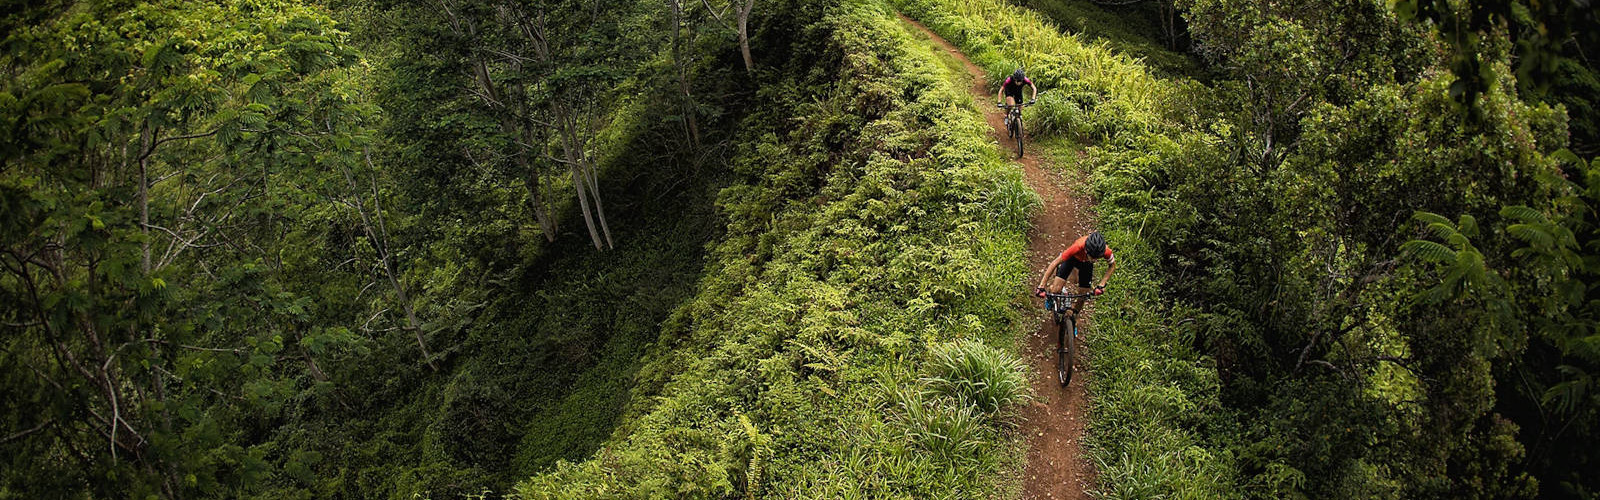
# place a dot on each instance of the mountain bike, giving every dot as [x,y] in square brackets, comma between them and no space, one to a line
[1060,304]
[1014,122]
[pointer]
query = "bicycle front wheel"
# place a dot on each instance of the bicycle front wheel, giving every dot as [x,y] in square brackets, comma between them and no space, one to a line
[1064,349]
[1019,135]
[1072,350]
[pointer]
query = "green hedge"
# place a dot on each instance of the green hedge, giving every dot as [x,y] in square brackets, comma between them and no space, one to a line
[878,226]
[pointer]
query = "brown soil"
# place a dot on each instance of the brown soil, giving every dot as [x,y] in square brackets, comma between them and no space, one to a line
[1054,424]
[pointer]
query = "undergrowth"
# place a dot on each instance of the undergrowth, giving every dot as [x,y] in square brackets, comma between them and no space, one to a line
[1086,90]
[1153,395]
[1130,29]
[877,227]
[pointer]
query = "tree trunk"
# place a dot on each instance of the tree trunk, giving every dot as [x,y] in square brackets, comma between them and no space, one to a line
[689,108]
[510,124]
[681,70]
[600,207]
[583,203]
[541,213]
[379,235]
[744,35]
[147,143]
[411,315]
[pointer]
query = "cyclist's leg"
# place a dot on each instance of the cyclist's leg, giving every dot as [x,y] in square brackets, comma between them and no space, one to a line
[1059,281]
[1010,101]
[1085,281]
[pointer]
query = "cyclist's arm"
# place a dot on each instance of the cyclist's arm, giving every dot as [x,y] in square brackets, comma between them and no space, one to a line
[1000,95]
[1109,270]
[1035,91]
[1049,271]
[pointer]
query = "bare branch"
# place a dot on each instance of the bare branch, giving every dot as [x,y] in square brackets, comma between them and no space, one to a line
[714,14]
[151,149]
[25,433]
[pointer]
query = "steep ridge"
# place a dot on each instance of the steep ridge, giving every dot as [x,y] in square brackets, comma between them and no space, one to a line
[1057,467]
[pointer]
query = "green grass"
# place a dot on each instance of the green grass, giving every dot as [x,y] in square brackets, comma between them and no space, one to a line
[1087,90]
[978,376]
[877,225]
[1132,30]
[1153,396]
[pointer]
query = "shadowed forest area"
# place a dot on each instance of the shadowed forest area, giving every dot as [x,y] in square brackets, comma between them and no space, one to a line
[739,248]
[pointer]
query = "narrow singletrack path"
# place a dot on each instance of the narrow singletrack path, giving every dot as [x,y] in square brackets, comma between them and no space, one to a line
[1054,424]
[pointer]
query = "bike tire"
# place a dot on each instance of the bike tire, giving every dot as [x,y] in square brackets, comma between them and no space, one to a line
[1071,352]
[1064,348]
[1019,135]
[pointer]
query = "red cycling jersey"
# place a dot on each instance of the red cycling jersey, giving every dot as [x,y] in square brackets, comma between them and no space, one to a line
[1076,251]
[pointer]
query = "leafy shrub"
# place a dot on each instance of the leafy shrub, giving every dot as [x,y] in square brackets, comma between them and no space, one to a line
[977,375]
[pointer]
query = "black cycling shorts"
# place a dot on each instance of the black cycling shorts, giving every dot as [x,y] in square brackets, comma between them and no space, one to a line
[1015,94]
[1085,271]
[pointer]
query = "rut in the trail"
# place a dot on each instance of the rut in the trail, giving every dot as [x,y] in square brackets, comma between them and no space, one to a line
[1054,425]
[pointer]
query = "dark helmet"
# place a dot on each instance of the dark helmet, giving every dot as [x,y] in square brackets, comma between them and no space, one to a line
[1018,75]
[1095,245]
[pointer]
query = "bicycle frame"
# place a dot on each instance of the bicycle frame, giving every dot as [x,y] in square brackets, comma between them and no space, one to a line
[1014,122]
[1063,301]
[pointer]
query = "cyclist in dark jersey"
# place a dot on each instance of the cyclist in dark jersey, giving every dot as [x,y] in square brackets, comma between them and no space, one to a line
[1080,257]
[1011,91]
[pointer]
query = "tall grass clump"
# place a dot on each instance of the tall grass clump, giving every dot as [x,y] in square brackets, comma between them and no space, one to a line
[977,375]
[951,431]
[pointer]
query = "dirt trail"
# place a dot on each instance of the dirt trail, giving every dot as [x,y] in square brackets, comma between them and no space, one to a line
[1054,425]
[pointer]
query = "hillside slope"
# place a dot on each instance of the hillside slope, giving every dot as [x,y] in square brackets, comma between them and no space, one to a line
[874,249]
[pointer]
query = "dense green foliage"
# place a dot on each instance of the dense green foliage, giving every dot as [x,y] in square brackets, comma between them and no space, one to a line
[1151,30]
[557,249]
[358,284]
[878,226]
[149,337]
[1294,351]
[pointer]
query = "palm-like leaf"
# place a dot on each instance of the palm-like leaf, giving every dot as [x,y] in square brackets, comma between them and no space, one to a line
[1569,394]
[1537,235]
[1468,226]
[1430,218]
[1431,251]
[1523,214]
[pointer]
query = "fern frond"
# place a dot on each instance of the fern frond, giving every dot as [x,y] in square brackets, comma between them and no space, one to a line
[1436,294]
[1431,251]
[1468,226]
[1429,218]
[1569,394]
[1443,230]
[1536,236]
[1523,213]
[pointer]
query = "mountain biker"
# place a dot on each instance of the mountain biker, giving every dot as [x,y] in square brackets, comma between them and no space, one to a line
[1011,91]
[1080,256]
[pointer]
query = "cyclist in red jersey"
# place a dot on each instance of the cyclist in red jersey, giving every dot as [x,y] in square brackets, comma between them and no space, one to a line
[1080,257]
